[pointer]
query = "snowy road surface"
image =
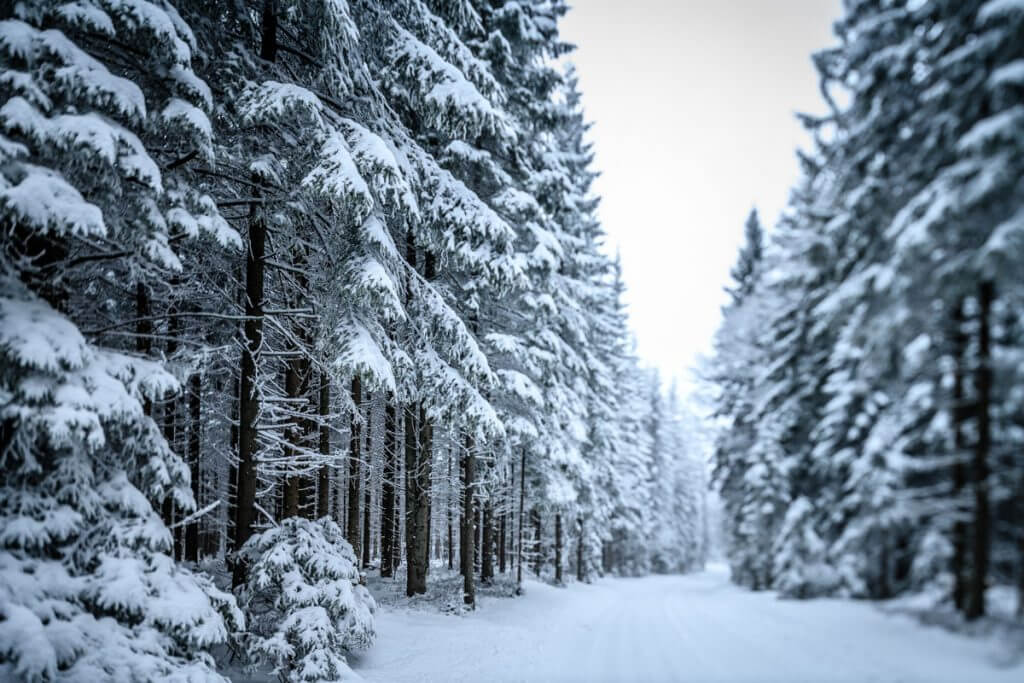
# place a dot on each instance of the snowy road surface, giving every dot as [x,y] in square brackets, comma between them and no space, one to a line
[696,628]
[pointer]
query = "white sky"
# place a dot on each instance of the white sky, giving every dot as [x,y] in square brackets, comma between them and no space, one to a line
[693,105]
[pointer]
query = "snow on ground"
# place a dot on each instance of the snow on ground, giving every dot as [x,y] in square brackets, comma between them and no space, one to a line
[696,628]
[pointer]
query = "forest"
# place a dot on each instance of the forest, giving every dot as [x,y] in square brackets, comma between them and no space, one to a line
[314,351]
[870,365]
[293,291]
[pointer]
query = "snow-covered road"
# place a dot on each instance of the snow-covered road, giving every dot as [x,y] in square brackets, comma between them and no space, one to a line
[696,628]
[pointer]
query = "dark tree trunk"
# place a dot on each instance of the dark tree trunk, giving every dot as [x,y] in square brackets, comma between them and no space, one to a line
[424,464]
[248,435]
[1020,548]
[519,532]
[503,530]
[960,412]
[487,545]
[387,514]
[466,540]
[1020,573]
[354,462]
[982,536]
[451,538]
[367,502]
[400,488]
[581,570]
[195,388]
[412,503]
[477,526]
[558,547]
[268,47]
[232,486]
[323,489]
[367,497]
[421,506]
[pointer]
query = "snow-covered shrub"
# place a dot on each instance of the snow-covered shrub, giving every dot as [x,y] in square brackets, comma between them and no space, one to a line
[801,569]
[303,600]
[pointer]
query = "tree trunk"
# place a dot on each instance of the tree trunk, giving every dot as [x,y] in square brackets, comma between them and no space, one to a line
[420,496]
[487,545]
[400,508]
[1020,573]
[466,540]
[323,489]
[232,484]
[451,538]
[412,502]
[502,530]
[195,388]
[519,542]
[367,493]
[253,331]
[558,547]
[982,537]
[477,527]
[387,518]
[268,47]
[581,572]
[354,456]
[960,411]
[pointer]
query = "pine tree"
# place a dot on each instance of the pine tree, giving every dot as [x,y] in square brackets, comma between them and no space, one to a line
[88,178]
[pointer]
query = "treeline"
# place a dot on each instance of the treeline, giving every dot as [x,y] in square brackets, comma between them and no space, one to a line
[290,290]
[871,362]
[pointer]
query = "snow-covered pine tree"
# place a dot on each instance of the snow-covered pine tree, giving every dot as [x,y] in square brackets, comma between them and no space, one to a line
[100,102]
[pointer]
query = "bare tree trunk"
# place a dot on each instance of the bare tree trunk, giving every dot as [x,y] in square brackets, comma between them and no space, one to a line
[519,542]
[387,515]
[367,493]
[400,508]
[502,530]
[323,489]
[960,411]
[416,505]
[232,485]
[487,544]
[1020,547]
[581,572]
[478,525]
[467,546]
[558,547]
[448,512]
[1020,572]
[253,331]
[420,517]
[982,537]
[195,388]
[352,530]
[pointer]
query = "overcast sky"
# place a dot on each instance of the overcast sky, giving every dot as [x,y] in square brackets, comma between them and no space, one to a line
[693,106]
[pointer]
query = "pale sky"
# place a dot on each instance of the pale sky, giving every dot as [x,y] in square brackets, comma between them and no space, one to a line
[693,106]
